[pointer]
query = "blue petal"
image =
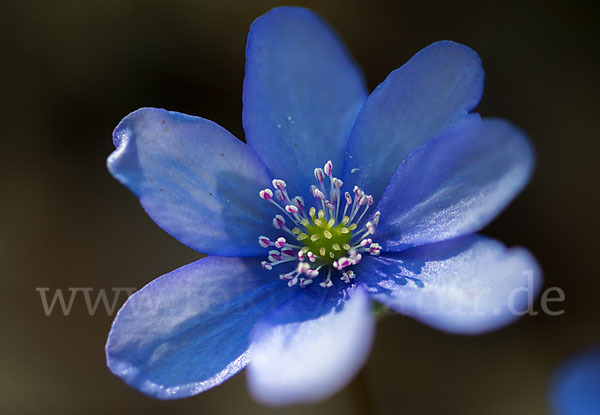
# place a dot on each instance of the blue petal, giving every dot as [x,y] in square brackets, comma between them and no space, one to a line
[576,385]
[425,97]
[466,285]
[197,181]
[454,185]
[188,330]
[300,360]
[302,92]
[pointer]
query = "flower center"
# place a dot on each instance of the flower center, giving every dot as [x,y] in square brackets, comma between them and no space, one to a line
[329,239]
[325,238]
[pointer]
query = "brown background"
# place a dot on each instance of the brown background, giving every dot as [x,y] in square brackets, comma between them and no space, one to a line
[72,69]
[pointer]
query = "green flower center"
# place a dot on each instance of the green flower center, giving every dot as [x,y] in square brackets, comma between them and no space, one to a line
[328,239]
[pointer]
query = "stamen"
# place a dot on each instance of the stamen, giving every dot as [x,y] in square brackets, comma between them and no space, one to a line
[336,198]
[279,184]
[305,282]
[291,209]
[288,252]
[319,194]
[278,222]
[327,283]
[266,194]
[364,210]
[281,193]
[300,255]
[371,228]
[274,256]
[299,203]
[376,218]
[375,249]
[281,261]
[313,273]
[319,175]
[355,257]
[325,241]
[347,276]
[264,241]
[328,168]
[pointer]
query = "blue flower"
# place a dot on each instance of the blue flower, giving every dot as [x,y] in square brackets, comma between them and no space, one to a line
[338,198]
[575,388]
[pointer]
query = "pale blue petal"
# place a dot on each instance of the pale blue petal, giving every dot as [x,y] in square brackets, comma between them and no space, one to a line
[302,92]
[428,95]
[467,285]
[575,388]
[197,181]
[188,330]
[299,360]
[454,185]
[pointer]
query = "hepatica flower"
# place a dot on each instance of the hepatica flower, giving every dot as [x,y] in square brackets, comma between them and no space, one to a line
[338,198]
[575,387]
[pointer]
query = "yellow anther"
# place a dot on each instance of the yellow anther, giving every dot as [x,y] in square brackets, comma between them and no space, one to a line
[304,249]
[302,236]
[344,230]
[312,211]
[317,222]
[331,255]
[321,214]
[336,247]
[346,246]
[305,222]
[330,223]
[352,227]
[314,237]
[345,220]
[322,251]
[327,234]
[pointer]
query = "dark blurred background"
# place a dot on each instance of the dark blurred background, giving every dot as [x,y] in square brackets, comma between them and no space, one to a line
[72,69]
